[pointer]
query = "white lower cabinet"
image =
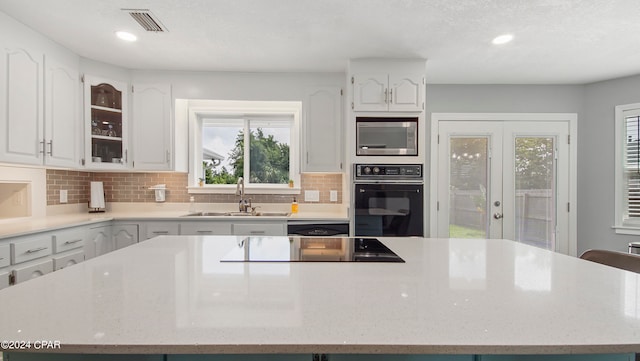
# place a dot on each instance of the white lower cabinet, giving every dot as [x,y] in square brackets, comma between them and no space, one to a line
[99,241]
[153,229]
[27,271]
[260,229]
[206,228]
[68,239]
[68,259]
[5,255]
[124,235]
[4,278]
[28,248]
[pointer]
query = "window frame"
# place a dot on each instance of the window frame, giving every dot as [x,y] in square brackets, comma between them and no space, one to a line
[199,110]
[623,223]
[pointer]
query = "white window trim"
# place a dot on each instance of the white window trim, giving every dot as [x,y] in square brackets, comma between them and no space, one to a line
[623,225]
[200,109]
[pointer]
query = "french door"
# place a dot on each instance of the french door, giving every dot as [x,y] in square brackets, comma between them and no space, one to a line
[504,179]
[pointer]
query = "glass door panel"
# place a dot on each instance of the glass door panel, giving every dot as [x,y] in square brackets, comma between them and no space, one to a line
[535,189]
[468,204]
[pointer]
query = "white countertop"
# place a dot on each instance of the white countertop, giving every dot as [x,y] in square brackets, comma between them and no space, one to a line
[154,212]
[172,295]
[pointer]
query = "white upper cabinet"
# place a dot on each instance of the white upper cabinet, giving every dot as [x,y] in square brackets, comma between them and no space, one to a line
[152,127]
[406,92]
[106,126]
[323,136]
[370,92]
[39,124]
[388,92]
[21,105]
[61,125]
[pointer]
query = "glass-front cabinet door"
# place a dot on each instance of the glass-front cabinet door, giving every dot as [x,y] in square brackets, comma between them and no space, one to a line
[105,123]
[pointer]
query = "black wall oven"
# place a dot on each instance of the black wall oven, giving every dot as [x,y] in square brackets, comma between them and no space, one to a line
[388,200]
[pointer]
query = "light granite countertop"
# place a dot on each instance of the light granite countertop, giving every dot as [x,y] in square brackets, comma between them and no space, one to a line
[172,295]
[153,212]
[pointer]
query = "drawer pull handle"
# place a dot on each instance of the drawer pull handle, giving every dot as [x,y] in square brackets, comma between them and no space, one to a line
[257,232]
[72,242]
[34,250]
[204,231]
[160,232]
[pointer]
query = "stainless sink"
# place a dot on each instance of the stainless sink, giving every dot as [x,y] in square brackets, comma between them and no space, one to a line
[243,214]
[206,214]
[274,214]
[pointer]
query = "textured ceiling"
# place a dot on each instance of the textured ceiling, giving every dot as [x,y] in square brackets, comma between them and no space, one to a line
[556,41]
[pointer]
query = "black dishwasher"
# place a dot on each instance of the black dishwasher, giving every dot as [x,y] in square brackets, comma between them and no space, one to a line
[318,228]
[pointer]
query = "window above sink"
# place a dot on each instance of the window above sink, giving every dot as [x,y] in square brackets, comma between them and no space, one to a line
[229,139]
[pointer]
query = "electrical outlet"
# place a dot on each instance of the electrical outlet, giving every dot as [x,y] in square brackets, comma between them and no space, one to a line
[312,196]
[333,195]
[63,196]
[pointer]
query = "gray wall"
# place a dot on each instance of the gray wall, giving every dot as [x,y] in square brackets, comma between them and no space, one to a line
[596,163]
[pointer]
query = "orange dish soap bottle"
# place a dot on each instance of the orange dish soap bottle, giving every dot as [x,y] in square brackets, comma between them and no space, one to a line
[294,206]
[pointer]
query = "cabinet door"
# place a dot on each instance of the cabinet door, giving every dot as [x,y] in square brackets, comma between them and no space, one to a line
[98,242]
[125,235]
[323,124]
[21,116]
[259,229]
[5,255]
[32,270]
[4,278]
[406,92]
[151,127]
[68,239]
[106,125]
[206,228]
[66,260]
[370,92]
[27,248]
[154,229]
[62,128]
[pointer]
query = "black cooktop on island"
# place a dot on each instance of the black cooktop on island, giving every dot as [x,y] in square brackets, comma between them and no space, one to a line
[310,249]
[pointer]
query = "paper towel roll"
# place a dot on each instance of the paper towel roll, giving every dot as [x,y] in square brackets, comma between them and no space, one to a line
[97,195]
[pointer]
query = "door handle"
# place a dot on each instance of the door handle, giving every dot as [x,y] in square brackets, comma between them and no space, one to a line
[497,215]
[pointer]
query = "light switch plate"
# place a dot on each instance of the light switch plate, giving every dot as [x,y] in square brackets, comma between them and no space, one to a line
[333,196]
[63,196]
[312,196]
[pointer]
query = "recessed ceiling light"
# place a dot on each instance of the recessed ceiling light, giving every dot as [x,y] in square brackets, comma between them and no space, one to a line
[126,36]
[502,39]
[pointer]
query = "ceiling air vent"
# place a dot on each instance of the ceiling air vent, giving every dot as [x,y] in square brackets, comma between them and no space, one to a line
[146,19]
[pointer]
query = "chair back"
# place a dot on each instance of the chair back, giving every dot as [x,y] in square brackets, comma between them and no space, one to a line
[625,261]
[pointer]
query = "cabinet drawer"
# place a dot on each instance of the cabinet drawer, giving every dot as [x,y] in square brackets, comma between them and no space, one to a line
[66,240]
[161,229]
[5,255]
[61,262]
[205,228]
[259,229]
[4,279]
[32,270]
[32,248]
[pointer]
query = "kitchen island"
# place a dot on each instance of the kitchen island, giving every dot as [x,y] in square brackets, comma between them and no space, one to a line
[171,295]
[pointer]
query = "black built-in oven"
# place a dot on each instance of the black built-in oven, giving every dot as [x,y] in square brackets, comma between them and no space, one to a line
[388,200]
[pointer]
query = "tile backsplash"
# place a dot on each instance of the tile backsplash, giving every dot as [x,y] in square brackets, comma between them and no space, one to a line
[134,187]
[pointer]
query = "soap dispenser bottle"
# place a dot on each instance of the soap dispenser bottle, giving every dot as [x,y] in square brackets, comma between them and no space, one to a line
[294,206]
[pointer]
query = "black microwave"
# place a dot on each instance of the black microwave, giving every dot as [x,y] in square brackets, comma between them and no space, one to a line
[387,136]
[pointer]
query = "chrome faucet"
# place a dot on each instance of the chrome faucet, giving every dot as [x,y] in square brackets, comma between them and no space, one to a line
[243,205]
